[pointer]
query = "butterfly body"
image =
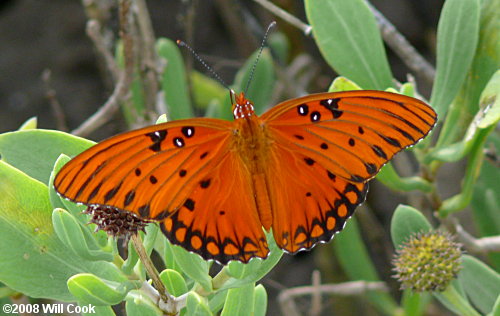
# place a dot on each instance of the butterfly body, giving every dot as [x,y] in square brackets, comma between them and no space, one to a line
[300,170]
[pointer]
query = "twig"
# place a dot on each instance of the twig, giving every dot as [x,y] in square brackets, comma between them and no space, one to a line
[477,245]
[305,28]
[121,90]
[168,302]
[289,308]
[149,63]
[316,294]
[94,32]
[54,103]
[408,54]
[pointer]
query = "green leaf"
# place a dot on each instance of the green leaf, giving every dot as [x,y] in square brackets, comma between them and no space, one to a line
[55,199]
[480,282]
[256,269]
[132,259]
[31,123]
[262,85]
[457,36]
[406,222]
[18,148]
[162,119]
[455,301]
[355,261]
[101,311]
[474,163]
[193,266]
[239,301]
[196,306]
[174,282]
[348,37]
[32,258]
[70,232]
[217,301]
[343,84]
[390,178]
[90,289]
[486,62]
[174,80]
[137,304]
[496,308]
[280,46]
[260,301]
[207,90]
[487,116]
[485,203]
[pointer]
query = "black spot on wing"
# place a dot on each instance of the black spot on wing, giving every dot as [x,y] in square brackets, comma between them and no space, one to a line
[303,109]
[111,193]
[309,161]
[205,183]
[157,138]
[370,168]
[392,141]
[379,151]
[188,131]
[95,191]
[333,106]
[129,197]
[189,204]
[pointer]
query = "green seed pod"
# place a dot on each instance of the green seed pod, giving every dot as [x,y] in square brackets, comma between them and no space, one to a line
[427,262]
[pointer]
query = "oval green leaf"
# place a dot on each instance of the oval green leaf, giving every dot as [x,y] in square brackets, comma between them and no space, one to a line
[348,37]
[406,222]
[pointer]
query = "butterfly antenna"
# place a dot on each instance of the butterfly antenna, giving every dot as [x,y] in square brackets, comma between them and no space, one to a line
[214,74]
[264,39]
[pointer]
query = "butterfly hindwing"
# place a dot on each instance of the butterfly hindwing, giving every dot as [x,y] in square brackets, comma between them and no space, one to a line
[310,204]
[219,219]
[353,134]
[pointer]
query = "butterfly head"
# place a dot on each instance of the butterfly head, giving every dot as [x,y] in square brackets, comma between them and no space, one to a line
[242,107]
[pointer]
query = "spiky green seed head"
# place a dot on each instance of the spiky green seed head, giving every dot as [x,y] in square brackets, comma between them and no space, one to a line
[427,262]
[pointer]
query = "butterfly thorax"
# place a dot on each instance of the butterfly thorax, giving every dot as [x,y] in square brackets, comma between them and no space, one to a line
[252,144]
[250,139]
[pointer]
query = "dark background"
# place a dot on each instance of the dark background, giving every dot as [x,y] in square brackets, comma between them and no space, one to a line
[36,35]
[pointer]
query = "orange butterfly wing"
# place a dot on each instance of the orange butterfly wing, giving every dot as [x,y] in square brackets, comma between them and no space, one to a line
[181,173]
[326,147]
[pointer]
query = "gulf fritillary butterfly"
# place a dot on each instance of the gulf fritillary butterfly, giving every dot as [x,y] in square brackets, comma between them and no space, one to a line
[301,169]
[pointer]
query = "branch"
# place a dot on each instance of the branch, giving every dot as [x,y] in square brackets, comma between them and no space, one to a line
[51,96]
[148,58]
[271,7]
[477,245]
[94,32]
[289,308]
[121,90]
[408,54]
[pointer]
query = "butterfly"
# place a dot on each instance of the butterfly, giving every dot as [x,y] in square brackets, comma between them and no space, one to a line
[215,186]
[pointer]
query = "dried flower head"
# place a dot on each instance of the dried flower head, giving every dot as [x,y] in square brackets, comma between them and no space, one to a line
[427,262]
[115,222]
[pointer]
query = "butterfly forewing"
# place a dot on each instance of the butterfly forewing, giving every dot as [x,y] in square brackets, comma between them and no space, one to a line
[147,171]
[353,134]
